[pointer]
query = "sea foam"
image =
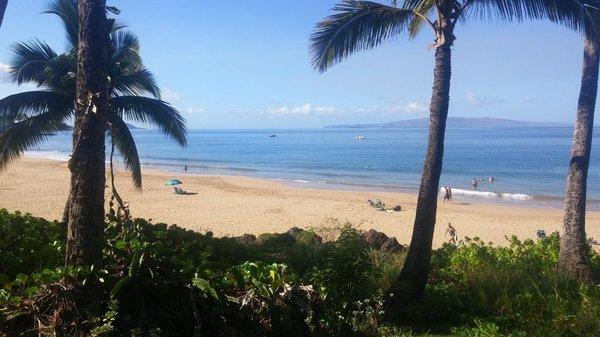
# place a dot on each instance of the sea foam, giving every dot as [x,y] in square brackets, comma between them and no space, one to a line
[488,194]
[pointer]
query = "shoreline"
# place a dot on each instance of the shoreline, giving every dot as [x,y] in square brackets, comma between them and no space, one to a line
[479,196]
[235,205]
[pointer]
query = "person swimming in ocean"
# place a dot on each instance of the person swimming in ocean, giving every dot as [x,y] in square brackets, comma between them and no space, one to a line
[492,179]
[451,231]
[475,183]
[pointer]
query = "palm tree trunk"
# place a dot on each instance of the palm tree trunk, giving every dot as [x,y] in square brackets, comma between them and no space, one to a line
[413,278]
[574,259]
[3,4]
[86,211]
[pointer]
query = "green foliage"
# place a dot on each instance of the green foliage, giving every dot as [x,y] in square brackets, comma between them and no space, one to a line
[168,281]
[28,244]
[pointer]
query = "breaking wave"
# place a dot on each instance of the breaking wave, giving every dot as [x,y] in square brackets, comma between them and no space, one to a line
[488,194]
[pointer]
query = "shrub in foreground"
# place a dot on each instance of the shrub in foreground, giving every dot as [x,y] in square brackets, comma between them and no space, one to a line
[160,280]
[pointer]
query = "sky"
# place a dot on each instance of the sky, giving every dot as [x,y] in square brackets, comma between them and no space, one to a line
[246,64]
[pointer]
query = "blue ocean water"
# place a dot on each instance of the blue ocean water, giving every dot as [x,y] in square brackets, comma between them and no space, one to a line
[529,164]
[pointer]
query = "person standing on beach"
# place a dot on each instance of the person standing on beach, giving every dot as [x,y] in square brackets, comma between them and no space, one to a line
[185,168]
[475,183]
[447,194]
[492,179]
[451,231]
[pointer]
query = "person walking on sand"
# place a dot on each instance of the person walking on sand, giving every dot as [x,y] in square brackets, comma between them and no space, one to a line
[447,194]
[451,231]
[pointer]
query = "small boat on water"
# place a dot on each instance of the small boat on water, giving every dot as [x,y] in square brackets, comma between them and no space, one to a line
[360,137]
[272,136]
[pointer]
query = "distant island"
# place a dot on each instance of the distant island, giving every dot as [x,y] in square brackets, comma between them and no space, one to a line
[453,122]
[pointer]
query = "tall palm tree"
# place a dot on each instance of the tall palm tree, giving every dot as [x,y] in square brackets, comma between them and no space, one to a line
[361,25]
[3,4]
[131,95]
[574,250]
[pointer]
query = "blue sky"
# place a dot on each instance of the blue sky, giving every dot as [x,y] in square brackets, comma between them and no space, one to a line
[245,64]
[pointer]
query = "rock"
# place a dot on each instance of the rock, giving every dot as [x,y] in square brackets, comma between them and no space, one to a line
[391,245]
[294,231]
[307,237]
[248,239]
[375,239]
[379,241]
[397,208]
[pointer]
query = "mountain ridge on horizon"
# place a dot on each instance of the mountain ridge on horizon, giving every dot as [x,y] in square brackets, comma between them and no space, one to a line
[452,122]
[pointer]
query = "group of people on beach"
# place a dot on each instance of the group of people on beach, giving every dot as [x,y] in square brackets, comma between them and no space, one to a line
[448,194]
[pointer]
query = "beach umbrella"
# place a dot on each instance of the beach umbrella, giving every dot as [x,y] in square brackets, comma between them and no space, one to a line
[173,182]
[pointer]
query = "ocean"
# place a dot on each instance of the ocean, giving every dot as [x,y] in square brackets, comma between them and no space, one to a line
[529,164]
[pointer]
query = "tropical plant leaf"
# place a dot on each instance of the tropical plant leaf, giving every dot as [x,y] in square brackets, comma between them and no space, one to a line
[152,111]
[135,82]
[356,25]
[66,10]
[574,14]
[28,133]
[29,103]
[30,61]
[125,144]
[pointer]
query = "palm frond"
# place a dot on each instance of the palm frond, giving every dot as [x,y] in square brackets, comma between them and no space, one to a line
[29,61]
[574,14]
[138,81]
[425,8]
[31,103]
[28,133]
[356,25]
[126,47]
[125,144]
[66,10]
[152,111]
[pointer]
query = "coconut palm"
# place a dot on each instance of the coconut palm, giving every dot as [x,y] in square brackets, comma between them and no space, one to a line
[133,94]
[574,249]
[361,25]
[100,85]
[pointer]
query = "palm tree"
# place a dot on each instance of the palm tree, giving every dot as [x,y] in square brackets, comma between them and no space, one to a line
[131,94]
[574,250]
[361,25]
[3,4]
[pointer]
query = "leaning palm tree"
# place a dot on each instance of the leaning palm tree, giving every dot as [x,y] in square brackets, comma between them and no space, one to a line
[133,94]
[574,250]
[361,25]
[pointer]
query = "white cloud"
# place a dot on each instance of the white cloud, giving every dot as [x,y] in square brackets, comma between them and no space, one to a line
[415,107]
[477,101]
[304,109]
[171,96]
[193,110]
[472,99]
[528,99]
[189,110]
[4,73]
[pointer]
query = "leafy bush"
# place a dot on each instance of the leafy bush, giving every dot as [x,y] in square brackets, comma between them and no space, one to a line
[160,280]
[28,244]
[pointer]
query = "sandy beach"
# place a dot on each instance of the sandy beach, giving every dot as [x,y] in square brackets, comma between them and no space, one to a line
[234,205]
